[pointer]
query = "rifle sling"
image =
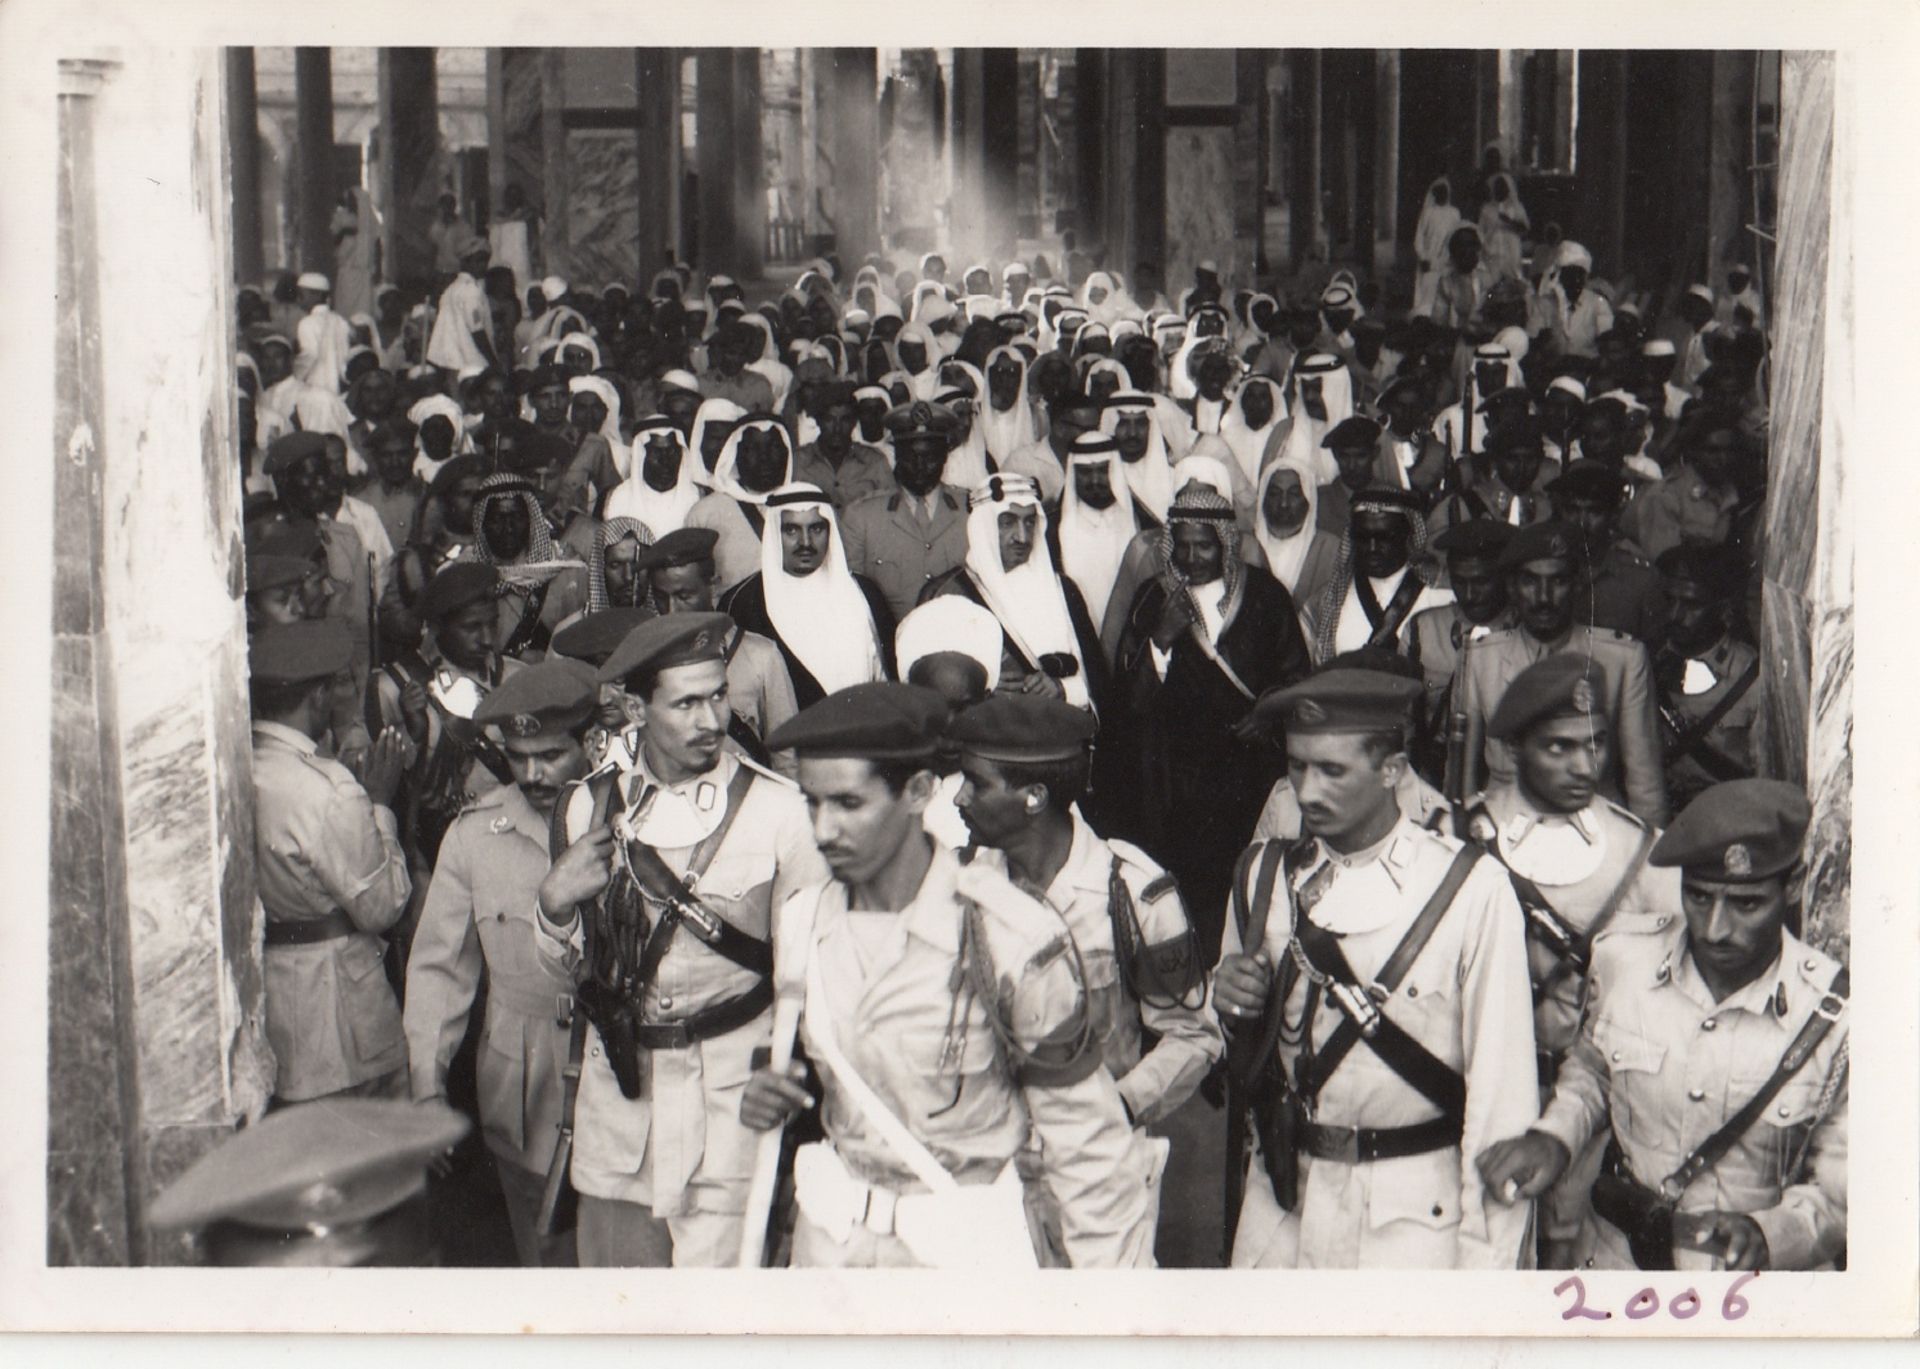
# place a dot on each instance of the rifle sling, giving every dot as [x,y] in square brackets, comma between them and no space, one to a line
[748,952]
[1689,740]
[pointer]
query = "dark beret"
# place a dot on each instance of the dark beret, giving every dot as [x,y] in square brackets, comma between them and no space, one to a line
[294,653]
[456,586]
[681,547]
[1740,830]
[1589,481]
[1351,432]
[1023,728]
[1559,685]
[1486,537]
[593,637]
[292,449]
[553,695]
[662,643]
[882,721]
[1343,701]
[1551,540]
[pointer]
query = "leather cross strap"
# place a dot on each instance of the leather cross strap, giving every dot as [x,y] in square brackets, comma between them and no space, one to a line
[756,518]
[1812,1032]
[1319,1069]
[1386,621]
[748,952]
[1691,738]
[1252,924]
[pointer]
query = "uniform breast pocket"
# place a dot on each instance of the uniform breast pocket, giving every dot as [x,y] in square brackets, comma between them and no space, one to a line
[367,1001]
[1421,1189]
[1784,1123]
[730,880]
[1634,1064]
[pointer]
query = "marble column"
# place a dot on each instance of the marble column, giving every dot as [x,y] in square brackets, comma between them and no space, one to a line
[853,153]
[749,170]
[409,163]
[555,166]
[714,149]
[155,1036]
[1386,158]
[313,104]
[1601,187]
[1730,201]
[1807,589]
[657,79]
[243,155]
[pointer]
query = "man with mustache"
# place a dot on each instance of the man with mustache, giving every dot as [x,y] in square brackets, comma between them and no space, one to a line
[905,538]
[478,920]
[1691,1020]
[678,1000]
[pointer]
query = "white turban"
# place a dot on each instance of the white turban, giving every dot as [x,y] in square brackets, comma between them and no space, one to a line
[950,622]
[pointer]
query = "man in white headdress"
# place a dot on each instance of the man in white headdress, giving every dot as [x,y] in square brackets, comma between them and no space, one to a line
[1300,553]
[1044,462]
[1576,316]
[1320,399]
[1438,218]
[756,460]
[950,645]
[1015,279]
[659,490]
[1005,415]
[967,463]
[539,587]
[1382,578]
[1098,520]
[1696,311]
[833,627]
[1741,303]
[1259,407]
[1132,420]
[919,354]
[462,334]
[323,335]
[1051,645]
[1462,428]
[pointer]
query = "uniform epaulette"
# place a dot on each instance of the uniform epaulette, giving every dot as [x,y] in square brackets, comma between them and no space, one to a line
[1131,856]
[1499,634]
[1607,634]
[1817,968]
[750,763]
[1627,815]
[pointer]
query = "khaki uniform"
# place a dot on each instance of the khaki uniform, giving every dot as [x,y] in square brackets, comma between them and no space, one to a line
[862,473]
[886,542]
[1465,999]
[1622,592]
[320,844]
[1732,744]
[479,919]
[760,691]
[1438,637]
[680,1151]
[947,1076]
[1635,773]
[1665,1066]
[1681,508]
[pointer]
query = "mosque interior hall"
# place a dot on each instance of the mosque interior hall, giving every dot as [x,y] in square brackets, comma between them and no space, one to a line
[188,175]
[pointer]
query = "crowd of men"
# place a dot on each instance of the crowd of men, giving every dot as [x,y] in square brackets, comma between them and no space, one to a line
[952,722]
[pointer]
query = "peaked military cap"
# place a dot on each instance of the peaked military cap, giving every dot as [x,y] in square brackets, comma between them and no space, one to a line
[1741,830]
[552,695]
[922,419]
[1551,540]
[1341,700]
[662,643]
[1560,685]
[1590,481]
[456,586]
[325,1164]
[289,451]
[681,547]
[1024,728]
[593,638]
[293,653]
[1476,537]
[882,721]
[268,571]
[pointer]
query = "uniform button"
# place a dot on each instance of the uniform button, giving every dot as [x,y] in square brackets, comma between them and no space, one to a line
[666,1002]
[1663,920]
[1813,965]
[499,917]
[1708,1025]
[1616,1057]
[1698,1095]
[1412,991]
[1783,1109]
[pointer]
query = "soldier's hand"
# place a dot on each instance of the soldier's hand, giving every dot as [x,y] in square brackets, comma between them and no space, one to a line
[771,1097]
[1733,1236]
[1251,728]
[1040,683]
[413,709]
[1523,1166]
[1240,986]
[386,763]
[1175,615]
[583,870]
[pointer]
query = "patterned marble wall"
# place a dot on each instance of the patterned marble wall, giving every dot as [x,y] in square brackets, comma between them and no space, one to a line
[1807,593]
[155,1024]
[603,205]
[1200,220]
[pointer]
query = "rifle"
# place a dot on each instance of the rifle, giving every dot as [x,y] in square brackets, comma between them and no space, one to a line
[557,1191]
[1454,780]
[370,693]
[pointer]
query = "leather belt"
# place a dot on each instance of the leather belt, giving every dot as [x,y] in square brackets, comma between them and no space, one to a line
[709,1022]
[1358,1145]
[304,931]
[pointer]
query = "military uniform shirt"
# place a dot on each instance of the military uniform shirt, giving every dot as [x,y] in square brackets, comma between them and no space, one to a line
[862,472]
[479,917]
[1681,508]
[1666,1066]
[1733,738]
[320,844]
[886,541]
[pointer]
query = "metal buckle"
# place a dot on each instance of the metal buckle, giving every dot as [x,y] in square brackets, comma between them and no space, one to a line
[563,1009]
[700,921]
[1830,1006]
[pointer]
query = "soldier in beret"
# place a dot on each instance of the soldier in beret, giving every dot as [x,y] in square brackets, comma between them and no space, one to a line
[1704,674]
[478,920]
[1541,563]
[905,537]
[1355,444]
[1024,762]
[333,879]
[1479,609]
[1369,1100]
[1507,478]
[1617,586]
[659,907]
[1689,1023]
[945,996]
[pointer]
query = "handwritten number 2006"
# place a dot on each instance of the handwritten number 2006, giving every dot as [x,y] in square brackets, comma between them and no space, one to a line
[1646,1302]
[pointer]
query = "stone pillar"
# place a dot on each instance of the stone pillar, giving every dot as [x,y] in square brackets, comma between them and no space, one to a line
[156,1042]
[1729,200]
[1806,633]
[409,163]
[1090,146]
[1601,186]
[999,155]
[749,172]
[714,148]
[497,158]
[313,105]
[243,153]
[1386,158]
[556,182]
[968,102]
[1303,195]
[853,153]
[657,79]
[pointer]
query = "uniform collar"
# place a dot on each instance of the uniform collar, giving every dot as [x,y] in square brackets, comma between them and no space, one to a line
[1086,864]
[1393,854]
[934,914]
[285,736]
[1769,994]
[514,813]
[1523,818]
[642,778]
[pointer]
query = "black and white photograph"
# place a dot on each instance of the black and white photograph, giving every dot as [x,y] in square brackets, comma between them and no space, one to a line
[982,659]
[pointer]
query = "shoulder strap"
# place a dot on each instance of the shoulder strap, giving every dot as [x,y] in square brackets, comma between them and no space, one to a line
[1348,1033]
[756,519]
[1812,1032]
[873,1111]
[601,787]
[1696,735]
[1387,626]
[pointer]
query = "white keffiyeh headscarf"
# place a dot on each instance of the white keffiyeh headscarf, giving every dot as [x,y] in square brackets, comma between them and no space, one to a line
[610,532]
[441,406]
[662,511]
[1151,477]
[726,479]
[1028,600]
[823,618]
[1093,542]
[710,411]
[1248,443]
[1321,380]
[605,391]
[967,462]
[1286,556]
